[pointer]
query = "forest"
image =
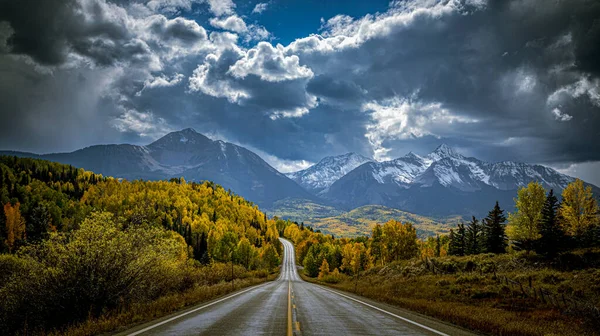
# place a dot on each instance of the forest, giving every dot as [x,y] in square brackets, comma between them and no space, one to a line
[77,246]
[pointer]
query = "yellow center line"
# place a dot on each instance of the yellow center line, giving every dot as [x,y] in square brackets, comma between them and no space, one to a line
[289,324]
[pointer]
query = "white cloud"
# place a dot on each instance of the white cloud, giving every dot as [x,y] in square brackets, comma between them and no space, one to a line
[260,7]
[232,23]
[142,123]
[208,80]
[270,64]
[221,7]
[560,116]
[401,118]
[161,81]
[584,86]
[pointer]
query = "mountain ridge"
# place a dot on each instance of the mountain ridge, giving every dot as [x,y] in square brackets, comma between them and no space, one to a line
[187,154]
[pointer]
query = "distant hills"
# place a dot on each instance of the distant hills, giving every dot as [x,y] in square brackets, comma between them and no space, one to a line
[431,188]
[190,155]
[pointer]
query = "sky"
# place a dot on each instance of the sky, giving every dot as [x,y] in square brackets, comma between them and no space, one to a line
[296,81]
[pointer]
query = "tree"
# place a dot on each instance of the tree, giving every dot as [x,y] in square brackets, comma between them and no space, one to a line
[15,225]
[438,246]
[494,237]
[579,212]
[270,256]
[324,269]
[552,236]
[473,237]
[458,241]
[523,225]
[244,252]
[377,243]
[399,241]
[311,264]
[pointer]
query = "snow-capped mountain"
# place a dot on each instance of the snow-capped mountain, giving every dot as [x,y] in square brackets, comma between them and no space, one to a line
[319,177]
[440,183]
[190,155]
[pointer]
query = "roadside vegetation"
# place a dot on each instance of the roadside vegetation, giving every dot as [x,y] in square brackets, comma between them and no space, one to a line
[532,272]
[85,254]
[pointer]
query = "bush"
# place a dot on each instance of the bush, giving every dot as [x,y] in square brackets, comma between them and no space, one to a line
[98,267]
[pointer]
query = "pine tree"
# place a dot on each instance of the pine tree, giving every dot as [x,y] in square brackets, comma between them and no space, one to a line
[473,237]
[494,237]
[458,240]
[552,235]
[438,246]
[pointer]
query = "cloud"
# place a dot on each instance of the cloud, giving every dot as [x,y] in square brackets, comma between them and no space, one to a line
[560,116]
[399,118]
[407,78]
[144,124]
[232,23]
[270,64]
[221,7]
[260,7]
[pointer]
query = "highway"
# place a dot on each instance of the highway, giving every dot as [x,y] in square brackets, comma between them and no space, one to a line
[290,306]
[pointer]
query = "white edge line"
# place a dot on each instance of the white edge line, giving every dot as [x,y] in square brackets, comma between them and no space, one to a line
[192,311]
[387,312]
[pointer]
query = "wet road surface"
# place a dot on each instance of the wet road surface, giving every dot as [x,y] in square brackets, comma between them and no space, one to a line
[291,306]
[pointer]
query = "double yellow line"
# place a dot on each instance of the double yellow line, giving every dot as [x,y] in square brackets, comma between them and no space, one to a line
[290,317]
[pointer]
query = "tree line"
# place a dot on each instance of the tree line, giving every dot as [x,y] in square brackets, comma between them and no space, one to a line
[541,223]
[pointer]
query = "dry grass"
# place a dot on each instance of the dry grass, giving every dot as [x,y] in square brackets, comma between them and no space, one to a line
[478,300]
[141,313]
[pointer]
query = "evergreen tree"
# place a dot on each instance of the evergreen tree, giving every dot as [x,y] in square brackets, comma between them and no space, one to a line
[458,241]
[438,246]
[494,237]
[552,235]
[473,237]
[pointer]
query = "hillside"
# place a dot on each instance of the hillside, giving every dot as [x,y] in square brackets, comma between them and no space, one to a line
[77,246]
[358,221]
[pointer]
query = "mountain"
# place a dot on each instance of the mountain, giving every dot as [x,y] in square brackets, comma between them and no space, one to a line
[190,155]
[441,183]
[320,176]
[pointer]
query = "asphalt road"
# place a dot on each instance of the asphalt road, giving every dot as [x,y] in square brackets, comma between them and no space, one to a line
[291,306]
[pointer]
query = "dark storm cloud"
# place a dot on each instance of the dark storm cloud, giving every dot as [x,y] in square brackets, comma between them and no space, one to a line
[502,80]
[48,30]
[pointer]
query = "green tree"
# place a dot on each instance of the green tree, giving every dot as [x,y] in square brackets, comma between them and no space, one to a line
[270,256]
[552,236]
[376,243]
[473,237]
[494,237]
[311,264]
[523,225]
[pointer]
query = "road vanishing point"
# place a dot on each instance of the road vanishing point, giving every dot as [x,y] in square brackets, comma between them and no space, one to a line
[291,306]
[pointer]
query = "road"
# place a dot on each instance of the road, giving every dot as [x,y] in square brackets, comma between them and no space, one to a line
[291,306]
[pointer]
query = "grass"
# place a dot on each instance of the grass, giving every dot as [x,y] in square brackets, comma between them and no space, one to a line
[471,294]
[137,314]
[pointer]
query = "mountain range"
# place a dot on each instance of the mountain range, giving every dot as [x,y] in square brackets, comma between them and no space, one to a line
[440,184]
[190,155]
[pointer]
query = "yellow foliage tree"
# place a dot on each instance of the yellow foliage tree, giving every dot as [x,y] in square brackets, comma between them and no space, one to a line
[523,225]
[579,209]
[324,269]
[15,225]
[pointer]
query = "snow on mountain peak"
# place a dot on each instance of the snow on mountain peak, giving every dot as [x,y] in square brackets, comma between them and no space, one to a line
[331,168]
[444,151]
